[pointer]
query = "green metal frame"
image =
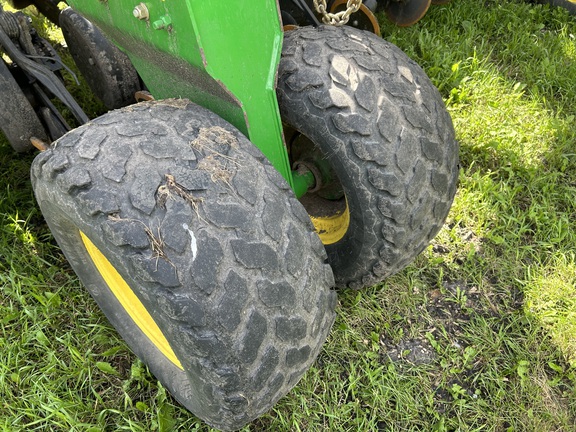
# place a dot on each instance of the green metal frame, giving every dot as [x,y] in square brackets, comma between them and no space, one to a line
[221,54]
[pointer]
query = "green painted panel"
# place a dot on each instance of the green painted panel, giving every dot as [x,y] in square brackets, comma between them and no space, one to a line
[220,54]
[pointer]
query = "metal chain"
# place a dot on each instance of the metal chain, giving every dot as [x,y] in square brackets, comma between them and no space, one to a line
[339,18]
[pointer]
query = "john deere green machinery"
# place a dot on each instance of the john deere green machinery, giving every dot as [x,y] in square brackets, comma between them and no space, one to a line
[257,154]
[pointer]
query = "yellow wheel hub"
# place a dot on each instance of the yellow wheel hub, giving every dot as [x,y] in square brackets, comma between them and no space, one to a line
[129,301]
[332,228]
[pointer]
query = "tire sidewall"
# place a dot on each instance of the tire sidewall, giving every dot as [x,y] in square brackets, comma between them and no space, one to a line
[66,231]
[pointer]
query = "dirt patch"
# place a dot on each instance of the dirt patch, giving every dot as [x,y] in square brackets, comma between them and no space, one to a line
[414,351]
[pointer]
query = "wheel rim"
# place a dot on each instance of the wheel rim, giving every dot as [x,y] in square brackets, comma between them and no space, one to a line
[326,204]
[129,301]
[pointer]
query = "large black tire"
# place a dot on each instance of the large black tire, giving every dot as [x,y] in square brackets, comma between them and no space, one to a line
[209,238]
[374,115]
[107,70]
[18,120]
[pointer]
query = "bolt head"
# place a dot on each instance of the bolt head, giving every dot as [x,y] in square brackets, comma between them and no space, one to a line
[141,12]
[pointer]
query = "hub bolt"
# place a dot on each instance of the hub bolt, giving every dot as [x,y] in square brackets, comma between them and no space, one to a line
[141,12]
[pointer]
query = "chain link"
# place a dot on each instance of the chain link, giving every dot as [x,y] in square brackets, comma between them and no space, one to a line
[339,18]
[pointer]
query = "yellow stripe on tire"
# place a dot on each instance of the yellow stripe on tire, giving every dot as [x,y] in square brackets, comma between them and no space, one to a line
[131,304]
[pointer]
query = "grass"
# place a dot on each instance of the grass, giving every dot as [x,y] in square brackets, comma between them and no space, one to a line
[478,334]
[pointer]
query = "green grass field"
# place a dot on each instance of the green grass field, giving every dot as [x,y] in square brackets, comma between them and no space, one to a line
[478,334]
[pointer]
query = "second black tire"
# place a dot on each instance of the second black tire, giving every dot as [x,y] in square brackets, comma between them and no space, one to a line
[373,116]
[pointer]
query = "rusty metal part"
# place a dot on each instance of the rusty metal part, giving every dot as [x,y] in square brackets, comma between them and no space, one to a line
[289,27]
[364,19]
[39,144]
[143,95]
[405,13]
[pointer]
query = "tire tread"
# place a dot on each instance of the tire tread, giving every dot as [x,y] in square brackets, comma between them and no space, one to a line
[389,122]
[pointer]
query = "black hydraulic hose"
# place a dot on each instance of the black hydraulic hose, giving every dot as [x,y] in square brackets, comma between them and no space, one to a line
[42,74]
